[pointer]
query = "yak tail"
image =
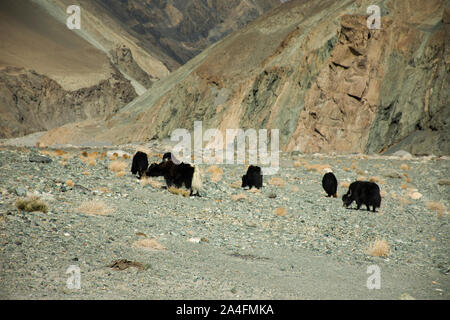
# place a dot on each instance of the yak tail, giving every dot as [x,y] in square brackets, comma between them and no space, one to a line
[196,180]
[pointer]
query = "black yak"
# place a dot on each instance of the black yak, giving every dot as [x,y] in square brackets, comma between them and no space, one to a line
[253,177]
[329,183]
[139,164]
[177,175]
[364,193]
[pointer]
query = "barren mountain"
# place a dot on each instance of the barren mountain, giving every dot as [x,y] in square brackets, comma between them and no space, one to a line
[50,75]
[314,70]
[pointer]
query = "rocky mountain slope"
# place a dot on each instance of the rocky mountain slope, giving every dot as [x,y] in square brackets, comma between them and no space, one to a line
[49,76]
[314,70]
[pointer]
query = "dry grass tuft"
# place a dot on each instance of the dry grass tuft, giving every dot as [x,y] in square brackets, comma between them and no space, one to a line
[84,154]
[294,189]
[94,207]
[345,184]
[437,207]
[149,244]
[380,248]
[281,212]
[70,183]
[278,182]
[361,178]
[86,173]
[216,173]
[125,156]
[347,169]
[121,173]
[238,197]
[297,164]
[179,191]
[154,183]
[404,186]
[404,166]
[117,166]
[92,162]
[31,204]
[236,184]
[377,179]
[317,167]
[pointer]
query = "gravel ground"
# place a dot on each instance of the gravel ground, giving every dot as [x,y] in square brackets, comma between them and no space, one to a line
[218,247]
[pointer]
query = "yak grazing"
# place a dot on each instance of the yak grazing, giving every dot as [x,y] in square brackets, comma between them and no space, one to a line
[177,175]
[363,193]
[139,164]
[253,177]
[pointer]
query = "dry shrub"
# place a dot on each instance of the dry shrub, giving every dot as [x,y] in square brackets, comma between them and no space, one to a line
[179,191]
[121,174]
[54,153]
[360,172]
[236,184]
[444,182]
[238,197]
[84,154]
[113,157]
[408,179]
[103,190]
[404,186]
[297,164]
[347,169]
[92,162]
[415,195]
[254,190]
[294,189]
[125,156]
[117,166]
[345,184]
[63,163]
[393,195]
[86,173]
[374,179]
[380,248]
[278,182]
[149,244]
[70,183]
[354,166]
[94,207]
[317,167]
[361,178]
[216,173]
[67,156]
[404,166]
[31,204]
[93,155]
[437,207]
[281,212]
[154,183]
[383,193]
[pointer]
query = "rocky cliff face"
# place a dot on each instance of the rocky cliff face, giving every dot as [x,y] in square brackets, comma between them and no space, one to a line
[316,72]
[50,76]
[31,102]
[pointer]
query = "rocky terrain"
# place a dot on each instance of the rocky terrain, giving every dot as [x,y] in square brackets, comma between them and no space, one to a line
[287,241]
[316,72]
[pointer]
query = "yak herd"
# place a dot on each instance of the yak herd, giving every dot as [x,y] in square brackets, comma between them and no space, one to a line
[362,192]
